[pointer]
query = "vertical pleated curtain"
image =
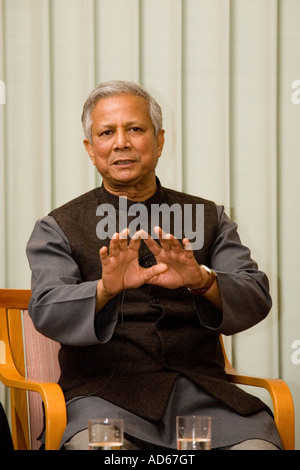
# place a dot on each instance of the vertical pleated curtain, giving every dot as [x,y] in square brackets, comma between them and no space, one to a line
[222,71]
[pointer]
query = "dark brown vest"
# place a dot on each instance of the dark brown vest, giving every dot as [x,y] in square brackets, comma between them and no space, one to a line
[159,335]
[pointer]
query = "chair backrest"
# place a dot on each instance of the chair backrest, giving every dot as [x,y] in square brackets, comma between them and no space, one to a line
[41,361]
[36,357]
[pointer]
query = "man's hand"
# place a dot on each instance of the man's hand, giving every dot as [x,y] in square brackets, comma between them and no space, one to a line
[183,269]
[176,266]
[120,266]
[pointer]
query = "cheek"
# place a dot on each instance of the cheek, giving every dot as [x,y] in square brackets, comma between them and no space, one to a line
[147,148]
[102,151]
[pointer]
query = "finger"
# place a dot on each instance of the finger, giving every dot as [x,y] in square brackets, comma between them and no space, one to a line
[187,246]
[165,239]
[174,244]
[154,271]
[153,246]
[158,231]
[124,234]
[123,239]
[103,253]
[141,234]
[114,248]
[135,241]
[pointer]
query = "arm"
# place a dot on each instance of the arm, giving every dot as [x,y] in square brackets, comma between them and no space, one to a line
[244,289]
[62,307]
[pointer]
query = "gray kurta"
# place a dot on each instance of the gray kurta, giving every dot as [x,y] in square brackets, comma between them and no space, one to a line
[60,298]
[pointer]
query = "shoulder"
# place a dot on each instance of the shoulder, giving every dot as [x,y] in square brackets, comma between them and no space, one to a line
[184,198]
[82,200]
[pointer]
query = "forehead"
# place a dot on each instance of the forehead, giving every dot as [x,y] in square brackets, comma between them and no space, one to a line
[121,106]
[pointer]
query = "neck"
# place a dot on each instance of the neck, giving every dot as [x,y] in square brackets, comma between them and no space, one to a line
[139,192]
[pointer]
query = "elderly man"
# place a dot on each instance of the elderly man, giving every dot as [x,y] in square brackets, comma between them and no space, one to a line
[137,309]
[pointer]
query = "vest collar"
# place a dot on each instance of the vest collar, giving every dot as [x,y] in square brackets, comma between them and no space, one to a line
[110,198]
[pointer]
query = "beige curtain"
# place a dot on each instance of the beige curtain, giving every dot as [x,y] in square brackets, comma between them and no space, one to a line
[226,73]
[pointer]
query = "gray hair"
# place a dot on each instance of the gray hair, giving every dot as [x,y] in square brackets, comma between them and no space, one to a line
[114,88]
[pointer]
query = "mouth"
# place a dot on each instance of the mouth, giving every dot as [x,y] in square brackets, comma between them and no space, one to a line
[124,162]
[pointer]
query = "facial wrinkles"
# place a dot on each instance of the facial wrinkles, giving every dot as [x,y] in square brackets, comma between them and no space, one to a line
[120,145]
[124,145]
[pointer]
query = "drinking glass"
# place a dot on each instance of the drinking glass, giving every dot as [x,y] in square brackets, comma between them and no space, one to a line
[193,432]
[105,434]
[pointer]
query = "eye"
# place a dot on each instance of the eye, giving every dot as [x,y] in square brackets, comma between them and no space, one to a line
[136,129]
[106,133]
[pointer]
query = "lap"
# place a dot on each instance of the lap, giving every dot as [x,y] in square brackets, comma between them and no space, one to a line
[81,442]
[252,444]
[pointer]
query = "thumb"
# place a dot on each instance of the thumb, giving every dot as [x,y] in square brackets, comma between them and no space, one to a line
[155,270]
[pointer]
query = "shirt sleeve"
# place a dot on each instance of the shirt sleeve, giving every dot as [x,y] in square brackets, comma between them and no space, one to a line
[62,307]
[244,289]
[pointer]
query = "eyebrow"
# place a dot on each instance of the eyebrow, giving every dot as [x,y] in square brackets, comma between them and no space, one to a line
[128,123]
[110,126]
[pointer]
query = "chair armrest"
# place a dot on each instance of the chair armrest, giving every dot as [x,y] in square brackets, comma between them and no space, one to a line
[282,400]
[53,398]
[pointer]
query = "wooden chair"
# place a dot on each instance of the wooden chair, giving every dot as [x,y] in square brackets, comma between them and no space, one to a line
[12,374]
[283,406]
[28,363]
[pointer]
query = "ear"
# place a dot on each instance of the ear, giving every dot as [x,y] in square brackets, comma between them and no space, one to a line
[90,150]
[160,142]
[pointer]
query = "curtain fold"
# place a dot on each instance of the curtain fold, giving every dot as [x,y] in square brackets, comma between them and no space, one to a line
[254,157]
[223,72]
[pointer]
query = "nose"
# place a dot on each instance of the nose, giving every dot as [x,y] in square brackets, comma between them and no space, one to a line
[121,140]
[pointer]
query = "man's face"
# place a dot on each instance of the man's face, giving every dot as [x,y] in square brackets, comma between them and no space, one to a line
[124,148]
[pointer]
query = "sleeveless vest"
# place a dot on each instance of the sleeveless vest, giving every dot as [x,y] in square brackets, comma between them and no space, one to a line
[158,336]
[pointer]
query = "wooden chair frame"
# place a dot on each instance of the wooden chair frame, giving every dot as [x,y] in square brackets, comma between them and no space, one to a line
[283,406]
[12,374]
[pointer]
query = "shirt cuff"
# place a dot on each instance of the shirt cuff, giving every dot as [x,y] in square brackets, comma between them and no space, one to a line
[106,320]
